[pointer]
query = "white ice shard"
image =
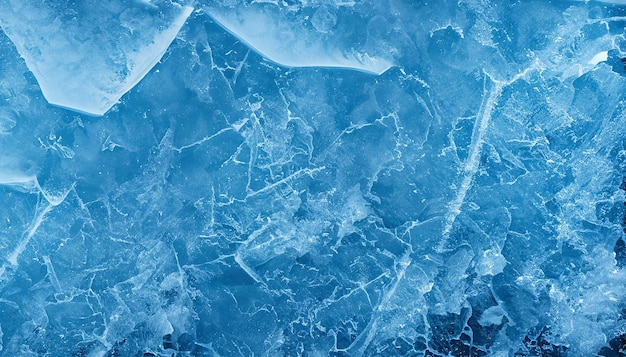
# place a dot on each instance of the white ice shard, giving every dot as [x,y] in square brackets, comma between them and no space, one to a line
[293,41]
[86,56]
[599,57]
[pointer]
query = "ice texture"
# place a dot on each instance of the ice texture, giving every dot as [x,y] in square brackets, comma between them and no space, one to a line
[86,56]
[302,37]
[466,201]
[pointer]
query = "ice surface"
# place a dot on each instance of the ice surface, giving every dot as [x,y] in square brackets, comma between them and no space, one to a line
[599,57]
[467,201]
[86,57]
[289,38]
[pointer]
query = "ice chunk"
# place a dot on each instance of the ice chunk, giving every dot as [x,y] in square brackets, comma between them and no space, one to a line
[492,316]
[490,263]
[85,57]
[294,41]
[599,57]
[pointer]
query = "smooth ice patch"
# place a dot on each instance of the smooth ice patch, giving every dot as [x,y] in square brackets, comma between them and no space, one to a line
[85,57]
[599,57]
[17,179]
[292,41]
[492,316]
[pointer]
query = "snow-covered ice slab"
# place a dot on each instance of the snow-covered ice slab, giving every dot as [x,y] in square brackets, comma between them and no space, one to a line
[87,55]
[295,40]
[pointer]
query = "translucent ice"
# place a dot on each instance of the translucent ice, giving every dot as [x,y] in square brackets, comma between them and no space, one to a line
[467,202]
[599,57]
[297,41]
[85,57]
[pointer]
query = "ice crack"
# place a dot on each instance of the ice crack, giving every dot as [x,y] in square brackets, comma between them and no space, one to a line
[472,163]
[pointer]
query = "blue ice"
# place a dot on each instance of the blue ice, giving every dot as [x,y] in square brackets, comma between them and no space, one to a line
[312,178]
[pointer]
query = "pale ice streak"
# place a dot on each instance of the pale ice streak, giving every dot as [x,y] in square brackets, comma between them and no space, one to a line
[290,42]
[472,163]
